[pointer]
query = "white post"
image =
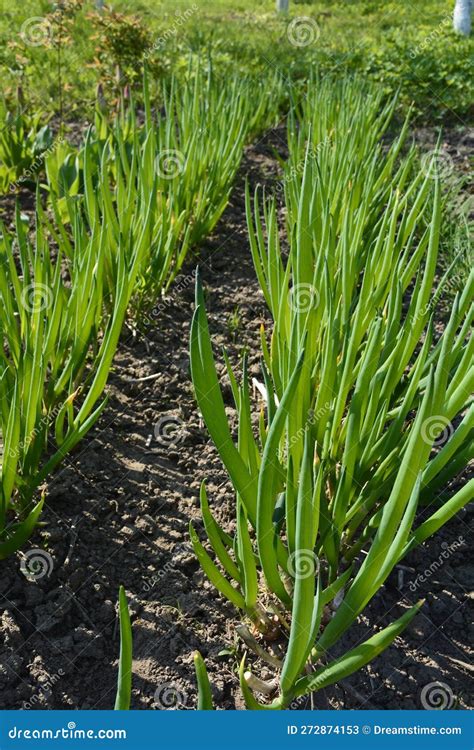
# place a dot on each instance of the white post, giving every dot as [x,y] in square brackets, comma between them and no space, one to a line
[462,17]
[282,6]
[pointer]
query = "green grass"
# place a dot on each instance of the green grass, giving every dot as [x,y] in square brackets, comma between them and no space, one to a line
[393,43]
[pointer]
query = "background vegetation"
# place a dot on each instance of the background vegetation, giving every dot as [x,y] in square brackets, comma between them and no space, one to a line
[401,44]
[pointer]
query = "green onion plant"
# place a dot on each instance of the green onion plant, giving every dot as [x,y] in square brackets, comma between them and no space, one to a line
[59,331]
[125,209]
[167,173]
[124,679]
[368,415]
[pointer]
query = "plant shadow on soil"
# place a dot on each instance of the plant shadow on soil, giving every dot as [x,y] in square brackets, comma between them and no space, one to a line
[118,512]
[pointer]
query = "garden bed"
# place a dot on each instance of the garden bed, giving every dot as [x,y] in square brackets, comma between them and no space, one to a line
[118,512]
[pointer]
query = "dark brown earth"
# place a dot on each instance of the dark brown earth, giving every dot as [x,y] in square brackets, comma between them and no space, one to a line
[118,511]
